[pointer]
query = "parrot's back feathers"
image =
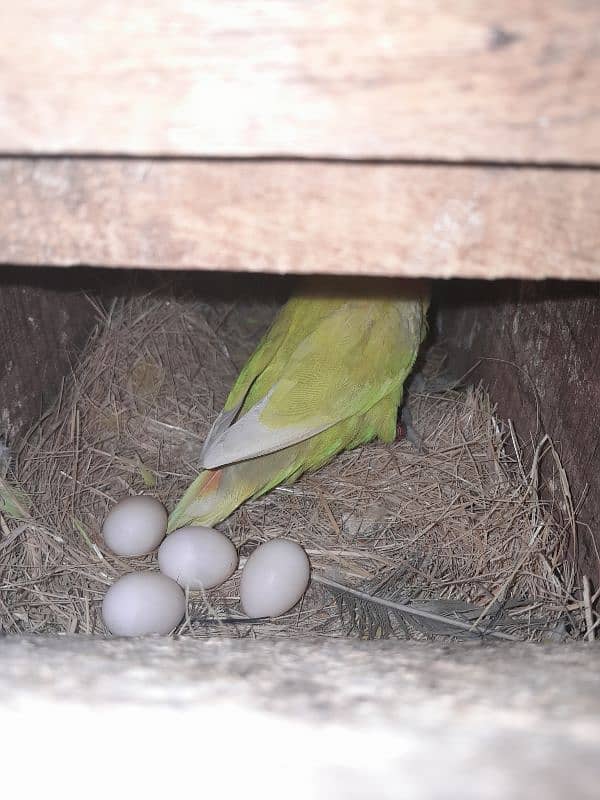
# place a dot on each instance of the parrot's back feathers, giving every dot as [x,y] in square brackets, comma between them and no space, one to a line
[327,376]
[336,366]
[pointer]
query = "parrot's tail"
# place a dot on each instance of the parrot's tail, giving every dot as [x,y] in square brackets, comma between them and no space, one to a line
[215,494]
[205,502]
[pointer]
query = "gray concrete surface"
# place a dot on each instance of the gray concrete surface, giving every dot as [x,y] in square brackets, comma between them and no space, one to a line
[299,718]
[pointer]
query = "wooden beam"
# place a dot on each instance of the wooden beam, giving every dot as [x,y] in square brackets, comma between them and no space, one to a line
[537,349]
[302,218]
[44,319]
[438,79]
[301,718]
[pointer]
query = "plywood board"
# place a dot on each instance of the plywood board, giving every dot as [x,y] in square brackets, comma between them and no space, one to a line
[44,318]
[402,220]
[536,347]
[438,79]
[301,718]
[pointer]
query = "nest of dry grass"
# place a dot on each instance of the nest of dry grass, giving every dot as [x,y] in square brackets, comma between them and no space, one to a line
[458,525]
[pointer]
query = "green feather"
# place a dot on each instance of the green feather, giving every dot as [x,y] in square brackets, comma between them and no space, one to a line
[327,377]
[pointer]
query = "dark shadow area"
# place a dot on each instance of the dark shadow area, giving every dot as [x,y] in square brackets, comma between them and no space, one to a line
[464,293]
[536,347]
[108,283]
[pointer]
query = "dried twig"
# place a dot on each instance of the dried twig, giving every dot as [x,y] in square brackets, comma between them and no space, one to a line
[587,604]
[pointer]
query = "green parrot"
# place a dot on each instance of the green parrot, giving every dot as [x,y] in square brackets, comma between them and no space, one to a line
[328,376]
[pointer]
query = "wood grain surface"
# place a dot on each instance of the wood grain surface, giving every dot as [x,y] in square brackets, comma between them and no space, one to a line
[302,217]
[300,718]
[536,347]
[44,319]
[434,79]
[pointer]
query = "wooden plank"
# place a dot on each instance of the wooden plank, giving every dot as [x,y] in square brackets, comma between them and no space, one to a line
[434,79]
[536,347]
[336,718]
[302,218]
[44,318]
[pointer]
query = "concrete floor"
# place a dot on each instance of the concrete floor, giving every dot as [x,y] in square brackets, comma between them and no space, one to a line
[297,718]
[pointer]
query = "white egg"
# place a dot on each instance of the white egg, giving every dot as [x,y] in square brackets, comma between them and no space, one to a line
[274,578]
[135,526]
[197,557]
[142,603]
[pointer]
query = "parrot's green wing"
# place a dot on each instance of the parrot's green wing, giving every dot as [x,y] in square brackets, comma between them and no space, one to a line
[310,378]
[257,363]
[328,376]
[289,328]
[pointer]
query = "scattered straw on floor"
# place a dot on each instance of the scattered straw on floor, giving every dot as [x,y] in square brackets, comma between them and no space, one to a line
[460,520]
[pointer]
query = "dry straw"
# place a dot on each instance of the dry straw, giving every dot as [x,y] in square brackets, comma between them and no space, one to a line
[456,528]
